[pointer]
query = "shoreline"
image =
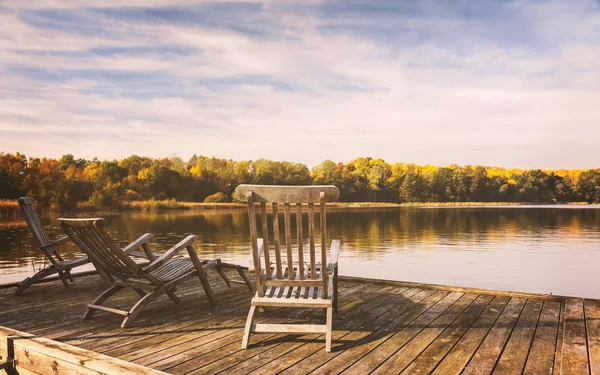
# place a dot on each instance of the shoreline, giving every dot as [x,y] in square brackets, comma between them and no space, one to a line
[10,208]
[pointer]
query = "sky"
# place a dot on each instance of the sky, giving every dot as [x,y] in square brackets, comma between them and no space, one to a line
[498,83]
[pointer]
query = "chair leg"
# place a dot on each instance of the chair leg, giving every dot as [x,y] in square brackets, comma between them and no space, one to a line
[248,328]
[329,328]
[245,278]
[139,306]
[101,299]
[335,290]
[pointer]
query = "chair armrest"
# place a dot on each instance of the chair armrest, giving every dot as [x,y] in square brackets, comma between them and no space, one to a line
[57,241]
[334,253]
[137,243]
[261,247]
[156,263]
[140,254]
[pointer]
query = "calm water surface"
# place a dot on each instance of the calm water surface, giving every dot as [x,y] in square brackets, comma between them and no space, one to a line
[544,249]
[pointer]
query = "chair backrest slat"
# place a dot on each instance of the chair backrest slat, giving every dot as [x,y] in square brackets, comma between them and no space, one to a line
[276,239]
[32,220]
[288,240]
[311,238]
[265,235]
[91,237]
[299,239]
[323,242]
[306,275]
[254,240]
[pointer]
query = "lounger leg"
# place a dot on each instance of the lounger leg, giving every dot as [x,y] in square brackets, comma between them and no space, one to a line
[69,276]
[248,328]
[139,306]
[329,328]
[64,278]
[245,278]
[101,299]
[33,279]
[106,278]
[209,293]
[173,297]
[222,273]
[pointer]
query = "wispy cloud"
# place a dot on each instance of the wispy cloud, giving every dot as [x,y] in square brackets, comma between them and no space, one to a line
[511,83]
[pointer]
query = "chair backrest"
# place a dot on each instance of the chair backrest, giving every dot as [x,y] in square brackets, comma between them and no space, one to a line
[32,220]
[280,272]
[98,245]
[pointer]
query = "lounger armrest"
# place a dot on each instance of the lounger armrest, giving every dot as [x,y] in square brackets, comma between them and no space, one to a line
[129,249]
[57,241]
[156,263]
[334,253]
[261,247]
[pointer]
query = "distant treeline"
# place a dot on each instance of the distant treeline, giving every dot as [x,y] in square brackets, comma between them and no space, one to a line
[62,183]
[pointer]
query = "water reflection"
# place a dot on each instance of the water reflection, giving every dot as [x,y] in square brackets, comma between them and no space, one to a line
[538,249]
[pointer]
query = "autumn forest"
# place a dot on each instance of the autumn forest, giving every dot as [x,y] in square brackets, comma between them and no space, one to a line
[68,181]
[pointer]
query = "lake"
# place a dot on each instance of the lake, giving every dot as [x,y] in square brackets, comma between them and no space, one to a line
[542,249]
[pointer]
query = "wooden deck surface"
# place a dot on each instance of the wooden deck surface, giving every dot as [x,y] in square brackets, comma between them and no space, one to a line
[380,328]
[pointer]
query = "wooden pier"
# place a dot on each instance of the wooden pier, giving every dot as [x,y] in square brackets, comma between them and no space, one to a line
[381,327]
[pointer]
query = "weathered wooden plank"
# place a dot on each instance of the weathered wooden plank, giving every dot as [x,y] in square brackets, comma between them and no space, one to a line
[592,319]
[458,357]
[404,357]
[46,356]
[543,347]
[574,350]
[559,340]
[513,357]
[435,352]
[410,326]
[484,359]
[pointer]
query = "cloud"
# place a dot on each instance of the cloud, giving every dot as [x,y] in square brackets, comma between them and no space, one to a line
[423,82]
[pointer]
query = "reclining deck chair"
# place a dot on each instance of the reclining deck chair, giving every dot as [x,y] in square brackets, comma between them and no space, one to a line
[291,282]
[162,275]
[57,264]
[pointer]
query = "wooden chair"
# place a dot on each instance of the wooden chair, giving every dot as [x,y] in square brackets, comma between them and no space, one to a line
[162,275]
[289,282]
[49,248]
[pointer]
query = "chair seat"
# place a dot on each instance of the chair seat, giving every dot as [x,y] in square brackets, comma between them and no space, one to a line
[296,266]
[173,269]
[309,296]
[71,263]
